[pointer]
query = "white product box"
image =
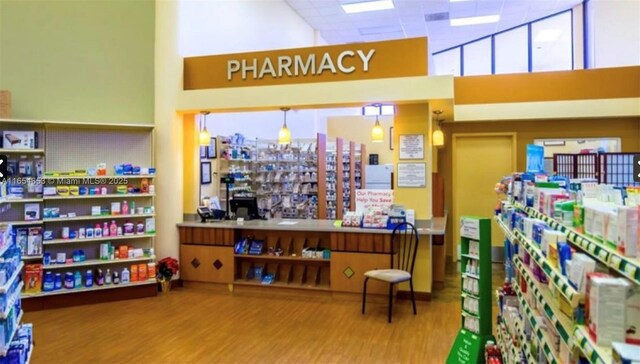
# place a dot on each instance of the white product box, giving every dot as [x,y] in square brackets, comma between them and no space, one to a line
[115,208]
[611,235]
[550,237]
[581,265]
[49,191]
[96,210]
[607,313]
[589,215]
[627,239]
[633,316]
[625,354]
[31,212]
[19,139]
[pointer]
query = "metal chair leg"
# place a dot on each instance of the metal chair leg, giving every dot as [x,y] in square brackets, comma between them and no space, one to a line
[413,297]
[364,294]
[390,300]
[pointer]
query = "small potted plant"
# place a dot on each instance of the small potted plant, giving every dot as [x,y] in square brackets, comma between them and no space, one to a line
[167,267]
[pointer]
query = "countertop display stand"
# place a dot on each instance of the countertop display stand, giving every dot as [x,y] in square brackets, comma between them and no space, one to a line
[475,242]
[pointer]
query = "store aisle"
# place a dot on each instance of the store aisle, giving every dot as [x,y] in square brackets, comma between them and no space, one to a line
[204,325]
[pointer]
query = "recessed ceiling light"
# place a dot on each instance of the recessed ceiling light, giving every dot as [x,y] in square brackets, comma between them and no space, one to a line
[548,35]
[474,20]
[364,6]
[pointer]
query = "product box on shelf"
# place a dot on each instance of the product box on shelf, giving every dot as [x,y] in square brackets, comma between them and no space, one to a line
[607,312]
[19,139]
[627,239]
[33,278]
[625,353]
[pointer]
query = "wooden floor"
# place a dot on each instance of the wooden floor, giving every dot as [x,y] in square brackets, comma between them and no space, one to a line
[252,325]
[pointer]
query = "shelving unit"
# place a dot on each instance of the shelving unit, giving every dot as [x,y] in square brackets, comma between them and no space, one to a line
[475,235]
[66,148]
[549,298]
[4,351]
[21,151]
[4,288]
[287,179]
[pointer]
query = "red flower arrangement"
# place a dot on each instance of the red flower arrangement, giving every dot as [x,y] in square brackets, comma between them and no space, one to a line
[167,267]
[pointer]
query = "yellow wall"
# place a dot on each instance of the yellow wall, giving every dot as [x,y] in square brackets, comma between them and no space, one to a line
[190,175]
[627,129]
[416,119]
[358,129]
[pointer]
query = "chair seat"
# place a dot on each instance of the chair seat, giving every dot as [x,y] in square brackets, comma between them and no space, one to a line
[389,275]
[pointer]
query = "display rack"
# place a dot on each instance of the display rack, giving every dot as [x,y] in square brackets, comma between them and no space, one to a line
[287,179]
[557,300]
[475,245]
[66,151]
[237,159]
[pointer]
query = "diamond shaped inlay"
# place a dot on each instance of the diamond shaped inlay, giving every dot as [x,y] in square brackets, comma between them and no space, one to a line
[348,272]
[217,264]
[195,263]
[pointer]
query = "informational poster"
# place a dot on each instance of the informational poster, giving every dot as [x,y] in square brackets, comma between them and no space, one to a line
[412,146]
[412,174]
[470,228]
[535,158]
[367,199]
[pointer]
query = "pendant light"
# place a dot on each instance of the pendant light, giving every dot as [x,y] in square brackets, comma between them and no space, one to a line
[377,132]
[205,137]
[284,136]
[437,139]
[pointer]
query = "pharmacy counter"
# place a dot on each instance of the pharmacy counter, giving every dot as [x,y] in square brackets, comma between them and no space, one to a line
[341,257]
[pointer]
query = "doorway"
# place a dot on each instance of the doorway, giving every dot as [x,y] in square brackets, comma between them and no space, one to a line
[479,162]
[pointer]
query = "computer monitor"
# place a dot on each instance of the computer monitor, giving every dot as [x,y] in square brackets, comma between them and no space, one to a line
[245,207]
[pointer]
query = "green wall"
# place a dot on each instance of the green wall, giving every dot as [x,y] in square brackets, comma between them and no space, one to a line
[85,60]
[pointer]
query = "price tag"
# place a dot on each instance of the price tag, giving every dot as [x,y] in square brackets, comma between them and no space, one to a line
[592,248]
[603,254]
[630,270]
[616,262]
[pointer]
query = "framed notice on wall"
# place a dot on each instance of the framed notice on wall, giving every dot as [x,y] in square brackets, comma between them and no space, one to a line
[411,146]
[412,174]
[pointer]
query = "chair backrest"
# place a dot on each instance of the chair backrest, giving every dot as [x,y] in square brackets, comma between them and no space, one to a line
[404,247]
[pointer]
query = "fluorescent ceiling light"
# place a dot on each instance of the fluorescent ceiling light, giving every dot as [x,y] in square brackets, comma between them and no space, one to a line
[364,6]
[548,35]
[474,20]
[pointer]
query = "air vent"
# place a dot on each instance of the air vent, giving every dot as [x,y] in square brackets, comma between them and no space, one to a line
[436,16]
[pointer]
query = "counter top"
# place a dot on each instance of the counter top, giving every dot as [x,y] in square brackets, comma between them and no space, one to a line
[436,226]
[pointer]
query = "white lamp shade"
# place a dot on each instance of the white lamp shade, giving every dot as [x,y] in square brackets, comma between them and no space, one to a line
[438,138]
[284,136]
[205,138]
[377,134]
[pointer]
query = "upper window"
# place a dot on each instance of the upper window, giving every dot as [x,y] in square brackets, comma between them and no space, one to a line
[541,45]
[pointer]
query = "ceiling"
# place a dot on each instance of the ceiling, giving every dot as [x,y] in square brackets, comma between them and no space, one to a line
[408,19]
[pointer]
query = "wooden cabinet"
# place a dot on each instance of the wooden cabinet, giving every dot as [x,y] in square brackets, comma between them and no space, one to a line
[347,271]
[201,263]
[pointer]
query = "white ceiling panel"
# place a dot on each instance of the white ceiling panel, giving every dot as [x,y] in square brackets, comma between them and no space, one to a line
[407,19]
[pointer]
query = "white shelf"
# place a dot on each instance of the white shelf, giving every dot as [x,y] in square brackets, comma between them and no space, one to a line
[88,289]
[14,276]
[21,151]
[594,353]
[93,262]
[85,177]
[98,217]
[104,238]
[469,275]
[111,195]
[11,302]
[24,223]
[31,257]
[13,333]
[20,200]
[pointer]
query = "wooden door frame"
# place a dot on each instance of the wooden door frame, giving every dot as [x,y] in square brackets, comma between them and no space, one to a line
[454,138]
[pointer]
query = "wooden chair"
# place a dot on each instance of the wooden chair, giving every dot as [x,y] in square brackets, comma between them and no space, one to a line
[404,246]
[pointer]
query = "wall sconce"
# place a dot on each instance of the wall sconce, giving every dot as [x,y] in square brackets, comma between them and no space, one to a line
[284,136]
[437,139]
[205,137]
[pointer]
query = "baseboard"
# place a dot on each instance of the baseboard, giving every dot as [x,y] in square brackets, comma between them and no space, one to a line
[89,297]
[420,296]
